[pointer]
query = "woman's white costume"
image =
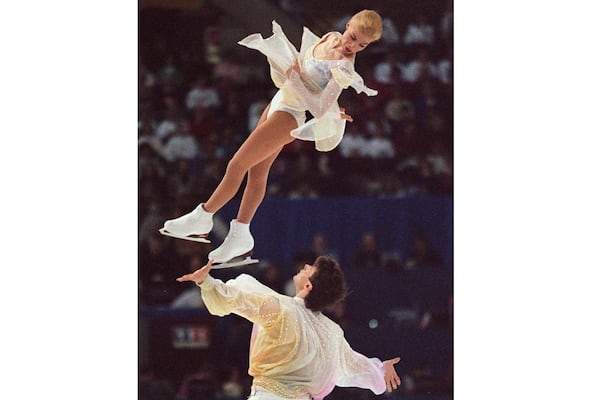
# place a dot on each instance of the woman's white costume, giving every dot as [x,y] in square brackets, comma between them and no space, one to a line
[316,90]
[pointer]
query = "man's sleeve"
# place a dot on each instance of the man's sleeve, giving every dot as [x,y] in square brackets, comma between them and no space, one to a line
[356,370]
[243,296]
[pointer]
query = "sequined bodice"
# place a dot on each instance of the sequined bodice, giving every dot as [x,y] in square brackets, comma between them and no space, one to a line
[318,72]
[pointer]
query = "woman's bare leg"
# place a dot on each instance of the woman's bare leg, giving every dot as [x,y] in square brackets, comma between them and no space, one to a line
[256,187]
[263,144]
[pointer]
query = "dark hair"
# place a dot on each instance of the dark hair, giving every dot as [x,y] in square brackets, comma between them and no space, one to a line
[329,285]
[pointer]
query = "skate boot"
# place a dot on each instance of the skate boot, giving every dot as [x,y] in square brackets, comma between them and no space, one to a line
[193,226]
[236,249]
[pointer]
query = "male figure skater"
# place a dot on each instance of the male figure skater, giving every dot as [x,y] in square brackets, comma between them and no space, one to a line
[296,352]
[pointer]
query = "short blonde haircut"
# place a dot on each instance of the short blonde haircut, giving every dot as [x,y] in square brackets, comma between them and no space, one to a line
[369,23]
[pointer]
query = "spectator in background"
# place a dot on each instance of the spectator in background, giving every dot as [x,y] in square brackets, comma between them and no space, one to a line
[420,379]
[368,254]
[169,71]
[169,79]
[152,388]
[202,95]
[399,110]
[183,181]
[302,190]
[301,178]
[146,83]
[353,145]
[434,126]
[255,111]
[446,26]
[234,386]
[419,69]
[318,247]
[295,9]
[151,180]
[421,254]
[168,124]
[228,75]
[203,124]
[199,385]
[444,67]
[151,151]
[439,157]
[427,101]
[388,71]
[228,72]
[419,32]
[181,144]
[147,138]
[151,221]
[380,150]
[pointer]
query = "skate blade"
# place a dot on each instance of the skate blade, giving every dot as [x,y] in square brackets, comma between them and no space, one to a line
[234,263]
[191,238]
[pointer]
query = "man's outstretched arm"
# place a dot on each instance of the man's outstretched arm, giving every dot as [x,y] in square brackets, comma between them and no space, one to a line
[243,296]
[357,370]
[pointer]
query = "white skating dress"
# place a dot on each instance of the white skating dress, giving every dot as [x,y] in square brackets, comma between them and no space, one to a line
[317,90]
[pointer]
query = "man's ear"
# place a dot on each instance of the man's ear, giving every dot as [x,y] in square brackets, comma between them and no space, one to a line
[308,287]
[347,24]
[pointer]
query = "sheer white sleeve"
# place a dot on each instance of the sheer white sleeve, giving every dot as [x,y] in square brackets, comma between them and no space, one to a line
[243,296]
[278,49]
[356,370]
[348,77]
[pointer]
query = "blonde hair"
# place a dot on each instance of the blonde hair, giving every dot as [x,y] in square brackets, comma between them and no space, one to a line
[369,23]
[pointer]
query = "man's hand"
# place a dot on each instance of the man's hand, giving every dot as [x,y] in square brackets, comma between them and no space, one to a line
[392,380]
[197,276]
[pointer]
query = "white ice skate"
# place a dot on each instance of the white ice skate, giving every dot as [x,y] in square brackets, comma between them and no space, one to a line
[236,249]
[193,226]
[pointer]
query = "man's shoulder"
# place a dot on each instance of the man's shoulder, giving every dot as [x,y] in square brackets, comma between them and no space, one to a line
[250,283]
[333,326]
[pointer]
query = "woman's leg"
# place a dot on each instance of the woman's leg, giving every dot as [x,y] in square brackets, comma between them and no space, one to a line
[260,150]
[256,187]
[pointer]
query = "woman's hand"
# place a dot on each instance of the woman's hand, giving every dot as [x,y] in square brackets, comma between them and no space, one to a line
[392,380]
[197,276]
[345,116]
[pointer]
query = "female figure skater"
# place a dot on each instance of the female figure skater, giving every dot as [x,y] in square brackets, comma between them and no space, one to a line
[309,80]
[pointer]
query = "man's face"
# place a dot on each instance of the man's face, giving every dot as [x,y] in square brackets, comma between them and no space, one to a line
[301,278]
